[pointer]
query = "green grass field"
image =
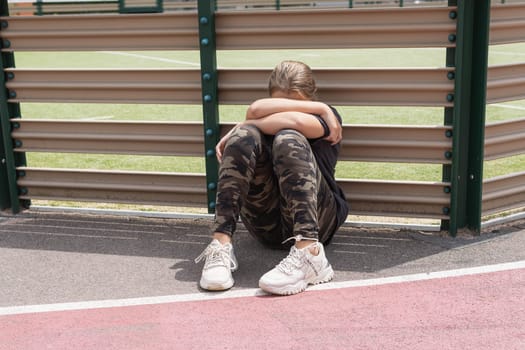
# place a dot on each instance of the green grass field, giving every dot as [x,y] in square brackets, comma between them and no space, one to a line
[503,54]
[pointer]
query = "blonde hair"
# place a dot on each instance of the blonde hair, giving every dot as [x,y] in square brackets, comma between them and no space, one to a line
[290,76]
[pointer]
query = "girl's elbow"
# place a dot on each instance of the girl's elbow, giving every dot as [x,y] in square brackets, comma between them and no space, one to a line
[253,111]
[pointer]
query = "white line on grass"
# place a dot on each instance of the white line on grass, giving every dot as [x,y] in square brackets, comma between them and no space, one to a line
[159,59]
[103,117]
[508,106]
[507,53]
[86,305]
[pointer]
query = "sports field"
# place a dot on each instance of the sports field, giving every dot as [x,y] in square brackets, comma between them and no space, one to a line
[503,54]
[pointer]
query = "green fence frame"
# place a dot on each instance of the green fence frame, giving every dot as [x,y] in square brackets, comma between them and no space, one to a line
[9,160]
[210,103]
[467,116]
[472,41]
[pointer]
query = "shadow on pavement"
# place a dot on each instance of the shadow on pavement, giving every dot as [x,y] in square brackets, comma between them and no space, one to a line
[353,251]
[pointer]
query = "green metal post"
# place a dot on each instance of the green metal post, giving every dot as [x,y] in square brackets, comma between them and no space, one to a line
[400,3]
[39,9]
[469,114]
[9,160]
[7,193]
[449,118]
[277,4]
[350,3]
[479,66]
[210,105]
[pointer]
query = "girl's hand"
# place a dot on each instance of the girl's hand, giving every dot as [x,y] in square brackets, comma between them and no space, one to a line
[336,134]
[219,148]
[336,130]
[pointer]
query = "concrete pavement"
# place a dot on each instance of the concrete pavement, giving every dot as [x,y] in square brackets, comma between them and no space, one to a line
[56,258]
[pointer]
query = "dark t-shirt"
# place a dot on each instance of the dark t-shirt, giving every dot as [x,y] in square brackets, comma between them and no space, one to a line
[326,155]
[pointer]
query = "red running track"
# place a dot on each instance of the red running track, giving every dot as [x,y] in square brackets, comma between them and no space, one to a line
[484,311]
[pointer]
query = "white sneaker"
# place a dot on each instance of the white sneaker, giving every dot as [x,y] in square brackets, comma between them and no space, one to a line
[295,272]
[218,267]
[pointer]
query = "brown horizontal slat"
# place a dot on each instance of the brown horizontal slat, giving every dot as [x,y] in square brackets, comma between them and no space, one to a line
[159,31]
[387,87]
[503,193]
[105,85]
[114,137]
[366,197]
[396,144]
[411,87]
[507,23]
[348,28]
[342,28]
[504,139]
[357,27]
[113,186]
[377,143]
[506,83]
[396,198]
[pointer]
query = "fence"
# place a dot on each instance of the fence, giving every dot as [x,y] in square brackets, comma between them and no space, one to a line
[459,200]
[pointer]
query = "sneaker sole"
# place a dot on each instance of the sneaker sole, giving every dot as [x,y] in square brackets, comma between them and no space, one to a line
[217,286]
[325,276]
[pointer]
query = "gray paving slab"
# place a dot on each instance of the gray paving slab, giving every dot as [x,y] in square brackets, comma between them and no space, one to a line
[56,257]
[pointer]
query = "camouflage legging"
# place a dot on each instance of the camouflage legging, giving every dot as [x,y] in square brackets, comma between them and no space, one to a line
[276,188]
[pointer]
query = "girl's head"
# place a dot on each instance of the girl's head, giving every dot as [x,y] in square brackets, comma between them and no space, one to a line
[292,79]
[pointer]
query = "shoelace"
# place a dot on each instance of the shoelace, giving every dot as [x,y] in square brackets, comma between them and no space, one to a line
[217,256]
[295,259]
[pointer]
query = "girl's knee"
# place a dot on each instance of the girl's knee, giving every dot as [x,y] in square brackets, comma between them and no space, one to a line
[288,141]
[289,134]
[247,131]
[245,135]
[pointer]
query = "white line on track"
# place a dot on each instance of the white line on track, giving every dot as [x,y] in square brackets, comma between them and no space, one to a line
[349,252]
[74,235]
[159,59]
[87,305]
[342,235]
[182,242]
[76,229]
[468,271]
[361,245]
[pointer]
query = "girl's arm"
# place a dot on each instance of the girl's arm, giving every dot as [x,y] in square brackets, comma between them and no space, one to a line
[267,106]
[305,123]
